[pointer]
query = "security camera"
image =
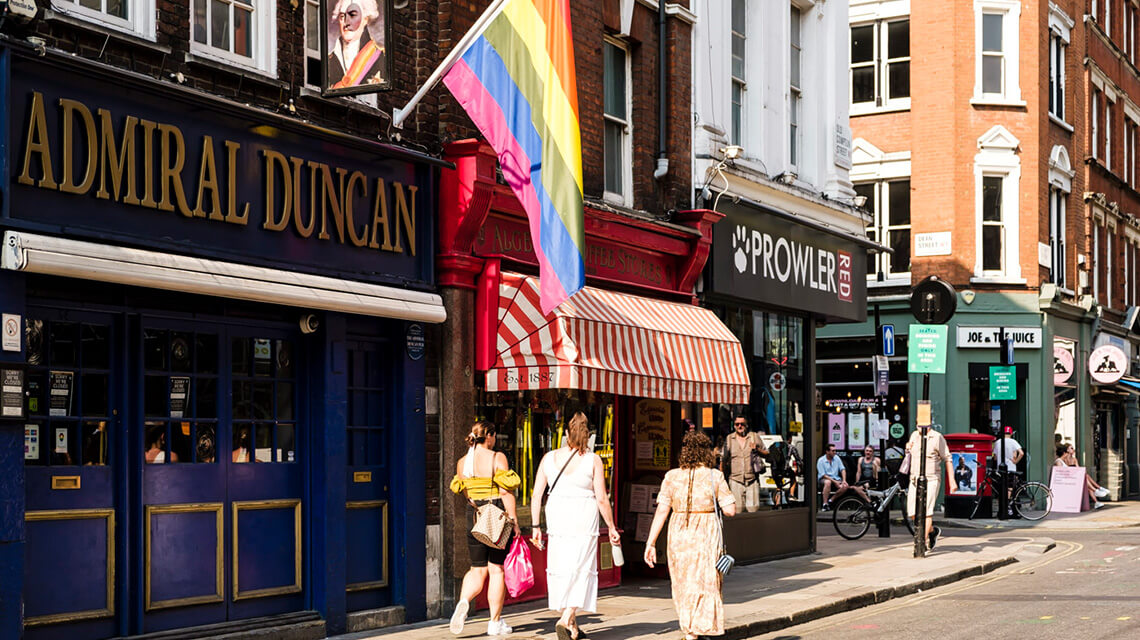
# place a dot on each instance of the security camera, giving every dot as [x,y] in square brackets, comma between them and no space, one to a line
[309,323]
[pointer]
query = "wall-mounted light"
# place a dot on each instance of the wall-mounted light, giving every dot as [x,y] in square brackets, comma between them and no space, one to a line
[787,177]
[732,151]
[859,201]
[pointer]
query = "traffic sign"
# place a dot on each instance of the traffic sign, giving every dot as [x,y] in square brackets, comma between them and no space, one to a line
[926,348]
[888,339]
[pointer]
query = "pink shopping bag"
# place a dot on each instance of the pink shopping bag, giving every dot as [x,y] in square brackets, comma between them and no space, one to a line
[519,571]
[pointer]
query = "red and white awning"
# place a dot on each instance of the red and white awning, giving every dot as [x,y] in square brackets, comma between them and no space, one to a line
[615,343]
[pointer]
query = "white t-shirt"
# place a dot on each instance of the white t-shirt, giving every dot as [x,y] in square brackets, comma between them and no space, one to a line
[1011,449]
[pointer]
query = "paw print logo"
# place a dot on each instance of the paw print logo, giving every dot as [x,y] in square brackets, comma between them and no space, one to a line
[740,243]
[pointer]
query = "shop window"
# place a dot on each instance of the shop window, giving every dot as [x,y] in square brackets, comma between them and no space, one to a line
[237,32]
[136,17]
[264,400]
[618,141]
[880,65]
[68,393]
[530,423]
[180,398]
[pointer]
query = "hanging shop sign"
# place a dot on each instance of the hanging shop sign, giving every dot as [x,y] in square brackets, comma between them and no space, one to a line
[165,167]
[1063,364]
[989,337]
[763,258]
[1107,364]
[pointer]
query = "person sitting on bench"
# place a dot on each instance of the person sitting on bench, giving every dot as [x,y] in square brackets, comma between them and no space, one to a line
[832,476]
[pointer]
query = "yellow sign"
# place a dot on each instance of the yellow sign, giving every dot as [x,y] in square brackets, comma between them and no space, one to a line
[652,420]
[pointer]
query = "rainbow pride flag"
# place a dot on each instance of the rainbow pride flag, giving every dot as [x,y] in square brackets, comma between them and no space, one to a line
[517,83]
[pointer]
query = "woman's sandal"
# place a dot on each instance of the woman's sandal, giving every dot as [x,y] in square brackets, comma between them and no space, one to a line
[563,632]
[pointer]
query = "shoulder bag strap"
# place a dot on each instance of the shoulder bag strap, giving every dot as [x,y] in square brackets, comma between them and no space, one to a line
[557,477]
[716,508]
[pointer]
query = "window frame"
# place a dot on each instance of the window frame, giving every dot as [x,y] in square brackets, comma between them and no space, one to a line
[263,47]
[1058,54]
[880,63]
[314,52]
[736,134]
[998,157]
[625,197]
[880,210]
[1010,94]
[140,20]
[1058,223]
[795,86]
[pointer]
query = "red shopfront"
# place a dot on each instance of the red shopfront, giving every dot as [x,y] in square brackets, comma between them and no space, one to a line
[631,350]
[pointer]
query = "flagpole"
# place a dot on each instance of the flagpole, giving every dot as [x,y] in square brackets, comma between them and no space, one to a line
[476,30]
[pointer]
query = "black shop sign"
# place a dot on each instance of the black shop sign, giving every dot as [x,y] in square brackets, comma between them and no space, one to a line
[763,258]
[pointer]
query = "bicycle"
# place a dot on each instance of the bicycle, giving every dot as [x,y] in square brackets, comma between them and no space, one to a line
[1028,500]
[852,516]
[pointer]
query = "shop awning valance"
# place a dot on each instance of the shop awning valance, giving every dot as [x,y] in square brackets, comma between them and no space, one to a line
[615,343]
[138,267]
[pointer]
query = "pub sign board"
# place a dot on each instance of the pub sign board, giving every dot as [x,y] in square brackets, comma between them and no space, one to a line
[760,257]
[115,157]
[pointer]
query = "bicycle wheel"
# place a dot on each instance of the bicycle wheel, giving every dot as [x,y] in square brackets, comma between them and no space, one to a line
[906,516]
[852,518]
[1033,500]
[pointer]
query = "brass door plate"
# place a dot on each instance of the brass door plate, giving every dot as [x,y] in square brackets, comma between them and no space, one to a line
[362,476]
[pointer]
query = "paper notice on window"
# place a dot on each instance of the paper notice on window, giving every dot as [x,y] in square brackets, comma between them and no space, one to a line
[644,522]
[644,450]
[179,392]
[639,498]
[61,386]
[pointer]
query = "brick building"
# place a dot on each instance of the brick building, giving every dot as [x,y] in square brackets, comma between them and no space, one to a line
[969,126]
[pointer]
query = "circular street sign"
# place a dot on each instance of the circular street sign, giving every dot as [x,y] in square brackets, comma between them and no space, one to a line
[897,430]
[1062,365]
[1107,364]
[776,381]
[933,301]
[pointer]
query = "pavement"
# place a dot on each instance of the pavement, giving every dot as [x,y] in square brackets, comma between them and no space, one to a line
[841,576]
[1114,515]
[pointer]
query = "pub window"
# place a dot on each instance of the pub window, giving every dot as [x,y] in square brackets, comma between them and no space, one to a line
[313,57]
[69,421]
[237,32]
[132,16]
[264,398]
[180,396]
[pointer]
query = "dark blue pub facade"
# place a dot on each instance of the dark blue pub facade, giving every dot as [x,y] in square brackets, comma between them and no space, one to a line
[213,360]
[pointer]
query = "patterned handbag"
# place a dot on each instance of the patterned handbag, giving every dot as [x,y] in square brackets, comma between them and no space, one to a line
[492,525]
[724,562]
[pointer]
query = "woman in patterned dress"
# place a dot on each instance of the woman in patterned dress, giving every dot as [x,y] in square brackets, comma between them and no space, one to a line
[694,536]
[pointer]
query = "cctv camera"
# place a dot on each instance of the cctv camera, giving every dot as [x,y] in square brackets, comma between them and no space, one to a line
[309,323]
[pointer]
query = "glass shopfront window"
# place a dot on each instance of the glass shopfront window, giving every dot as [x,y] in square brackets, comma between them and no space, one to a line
[530,423]
[774,346]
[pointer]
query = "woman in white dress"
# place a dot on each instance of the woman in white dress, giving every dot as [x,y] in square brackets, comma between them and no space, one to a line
[577,497]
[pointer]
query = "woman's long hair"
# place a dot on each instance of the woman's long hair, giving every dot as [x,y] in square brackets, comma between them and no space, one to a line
[578,432]
[696,451]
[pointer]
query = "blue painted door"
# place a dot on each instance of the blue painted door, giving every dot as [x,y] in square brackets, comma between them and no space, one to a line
[222,480]
[368,539]
[74,446]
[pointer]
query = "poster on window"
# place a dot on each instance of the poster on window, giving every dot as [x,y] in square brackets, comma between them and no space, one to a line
[61,386]
[836,429]
[856,430]
[354,42]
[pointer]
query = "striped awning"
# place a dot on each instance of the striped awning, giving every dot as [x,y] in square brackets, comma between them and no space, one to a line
[615,343]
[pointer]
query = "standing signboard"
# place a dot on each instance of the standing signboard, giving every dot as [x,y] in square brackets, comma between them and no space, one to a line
[927,349]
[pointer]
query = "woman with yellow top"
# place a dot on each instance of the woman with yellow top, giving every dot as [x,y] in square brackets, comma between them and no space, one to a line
[483,476]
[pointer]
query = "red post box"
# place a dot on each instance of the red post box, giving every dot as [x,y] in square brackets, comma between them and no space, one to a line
[968,455]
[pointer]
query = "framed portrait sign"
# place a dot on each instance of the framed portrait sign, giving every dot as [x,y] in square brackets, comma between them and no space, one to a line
[355,42]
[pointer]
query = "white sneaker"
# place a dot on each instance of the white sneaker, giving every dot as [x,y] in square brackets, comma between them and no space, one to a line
[498,628]
[459,616]
[1101,492]
[1097,505]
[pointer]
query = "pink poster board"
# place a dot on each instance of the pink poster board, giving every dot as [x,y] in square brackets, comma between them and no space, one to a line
[836,430]
[1069,493]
